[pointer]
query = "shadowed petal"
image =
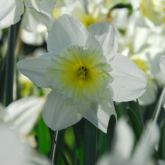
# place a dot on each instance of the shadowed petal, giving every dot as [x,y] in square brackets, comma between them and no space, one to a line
[107,37]
[60,113]
[37,69]
[66,31]
[129,82]
[99,114]
[23,114]
[11,12]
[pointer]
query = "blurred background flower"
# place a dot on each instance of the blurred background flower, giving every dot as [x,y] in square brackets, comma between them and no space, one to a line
[123,152]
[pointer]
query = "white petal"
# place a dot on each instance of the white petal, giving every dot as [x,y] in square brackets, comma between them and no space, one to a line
[12,147]
[32,38]
[42,6]
[129,82]
[146,145]
[93,44]
[66,31]
[150,94]
[123,145]
[19,152]
[10,12]
[162,64]
[32,20]
[120,18]
[37,69]
[161,162]
[60,113]
[99,114]
[22,115]
[8,5]
[107,37]
[141,35]
[135,3]
[124,140]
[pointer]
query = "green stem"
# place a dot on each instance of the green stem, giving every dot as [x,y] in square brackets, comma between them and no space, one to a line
[55,138]
[90,144]
[10,60]
[158,109]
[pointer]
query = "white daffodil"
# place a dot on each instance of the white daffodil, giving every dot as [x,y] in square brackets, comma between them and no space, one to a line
[154,52]
[88,12]
[22,114]
[16,122]
[124,142]
[36,37]
[151,92]
[155,15]
[34,12]
[15,151]
[137,46]
[85,73]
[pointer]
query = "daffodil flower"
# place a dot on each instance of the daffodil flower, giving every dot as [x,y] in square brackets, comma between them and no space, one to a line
[137,46]
[16,122]
[124,142]
[88,12]
[34,12]
[85,74]
[15,151]
[154,17]
[22,115]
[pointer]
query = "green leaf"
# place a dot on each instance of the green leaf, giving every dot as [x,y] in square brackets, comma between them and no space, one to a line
[161,150]
[135,118]
[9,67]
[122,6]
[43,137]
[79,143]
[90,143]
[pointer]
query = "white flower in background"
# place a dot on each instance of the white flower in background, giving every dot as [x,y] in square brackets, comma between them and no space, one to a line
[91,11]
[151,92]
[156,12]
[88,12]
[137,45]
[119,18]
[122,152]
[15,151]
[36,18]
[155,15]
[154,52]
[85,73]
[34,12]
[22,114]
[16,122]
[36,37]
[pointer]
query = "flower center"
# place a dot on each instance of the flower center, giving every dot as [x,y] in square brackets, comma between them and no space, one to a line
[88,20]
[142,64]
[82,73]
